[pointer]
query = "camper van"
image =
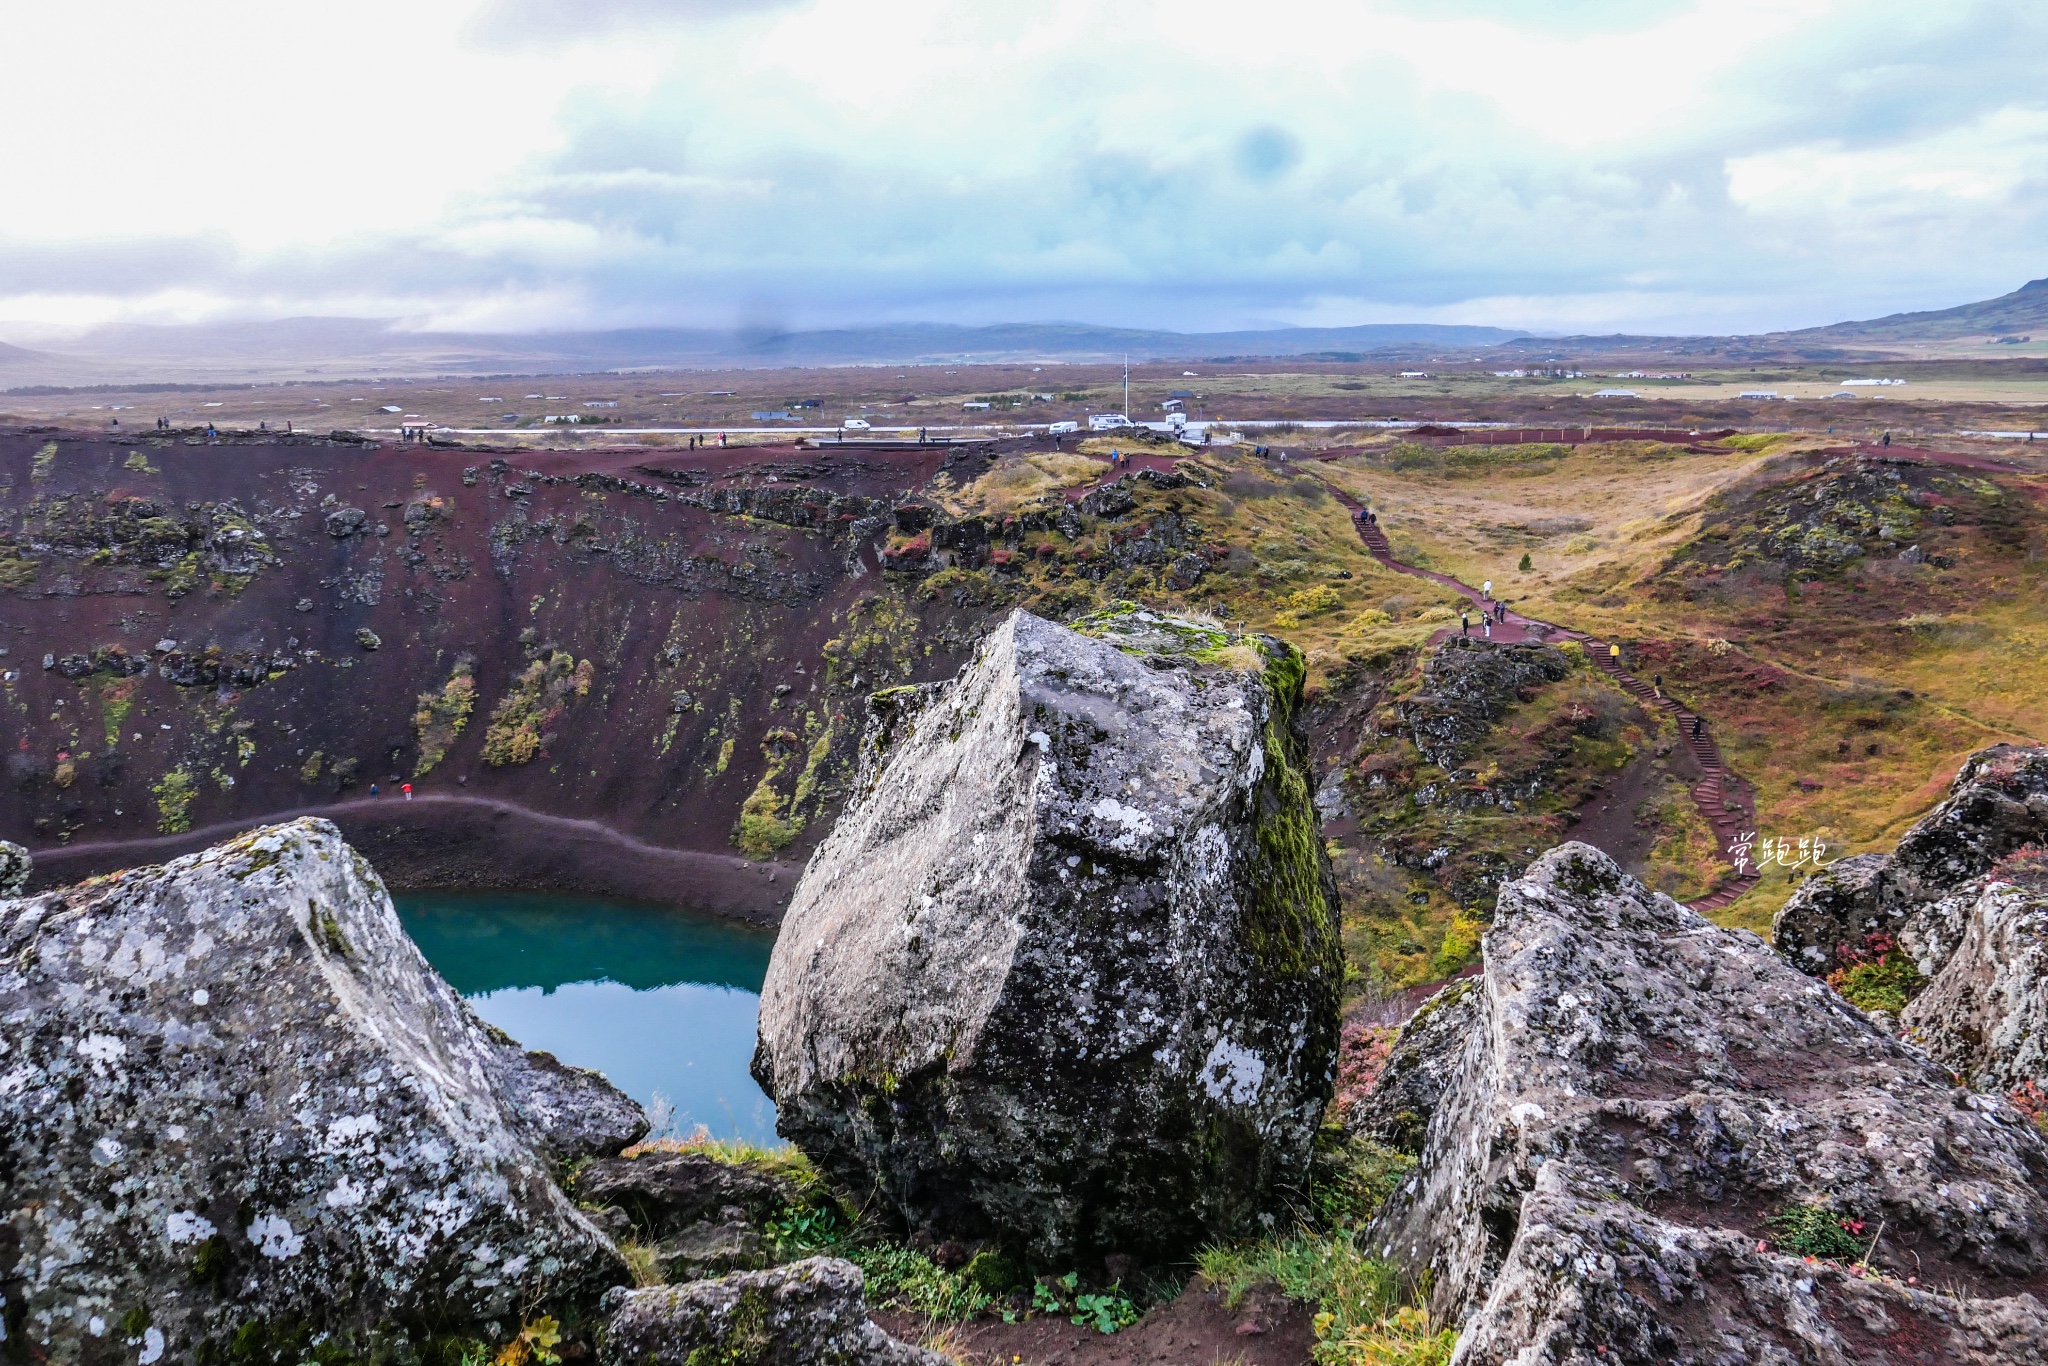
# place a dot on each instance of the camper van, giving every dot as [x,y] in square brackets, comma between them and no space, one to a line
[1061,428]
[854,424]
[1107,422]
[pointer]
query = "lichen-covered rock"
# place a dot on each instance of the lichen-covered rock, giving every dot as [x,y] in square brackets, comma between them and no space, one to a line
[1834,910]
[701,1215]
[1469,684]
[237,1105]
[1997,804]
[1985,1015]
[573,1112]
[1641,1092]
[1067,975]
[15,867]
[1976,937]
[1412,1081]
[808,1313]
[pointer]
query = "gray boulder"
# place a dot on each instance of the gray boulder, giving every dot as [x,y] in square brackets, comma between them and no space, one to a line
[1835,910]
[1418,1069]
[15,867]
[808,1313]
[702,1216]
[1066,973]
[1985,1014]
[1997,804]
[1945,894]
[1640,1093]
[238,1106]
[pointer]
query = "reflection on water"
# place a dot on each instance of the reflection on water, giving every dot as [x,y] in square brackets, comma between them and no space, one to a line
[660,1001]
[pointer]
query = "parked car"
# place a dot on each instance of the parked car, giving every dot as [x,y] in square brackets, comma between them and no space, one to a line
[854,424]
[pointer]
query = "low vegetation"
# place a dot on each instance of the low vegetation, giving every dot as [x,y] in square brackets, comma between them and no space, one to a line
[529,713]
[442,715]
[1367,1312]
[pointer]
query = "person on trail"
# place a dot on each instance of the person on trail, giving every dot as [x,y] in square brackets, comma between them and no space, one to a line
[408,791]
[1500,612]
[1488,624]
[373,789]
[1614,653]
[1887,439]
[721,441]
[1486,589]
[1464,623]
[1657,685]
[1699,727]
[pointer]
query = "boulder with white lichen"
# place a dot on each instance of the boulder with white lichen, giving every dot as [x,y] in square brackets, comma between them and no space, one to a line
[1656,1142]
[1965,896]
[239,1113]
[1066,974]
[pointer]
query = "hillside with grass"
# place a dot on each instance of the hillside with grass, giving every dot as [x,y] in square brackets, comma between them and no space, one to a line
[1854,623]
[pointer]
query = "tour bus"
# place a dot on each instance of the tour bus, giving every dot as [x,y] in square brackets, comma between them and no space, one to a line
[1061,428]
[1107,422]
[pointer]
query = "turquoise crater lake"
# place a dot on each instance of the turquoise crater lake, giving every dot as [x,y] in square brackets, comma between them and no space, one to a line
[663,1002]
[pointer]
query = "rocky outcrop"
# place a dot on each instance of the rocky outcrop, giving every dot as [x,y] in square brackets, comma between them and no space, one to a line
[1985,1014]
[15,867]
[1997,805]
[237,1106]
[1840,906]
[1469,684]
[1948,897]
[1644,1097]
[702,1216]
[1417,1071]
[809,1313]
[1066,974]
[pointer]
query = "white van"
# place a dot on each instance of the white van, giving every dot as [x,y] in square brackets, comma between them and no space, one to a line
[1107,422]
[854,424]
[1062,428]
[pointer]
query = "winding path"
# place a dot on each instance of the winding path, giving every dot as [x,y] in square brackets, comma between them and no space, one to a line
[1723,800]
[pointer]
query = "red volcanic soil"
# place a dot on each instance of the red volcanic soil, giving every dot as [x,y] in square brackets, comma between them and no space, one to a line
[202,619]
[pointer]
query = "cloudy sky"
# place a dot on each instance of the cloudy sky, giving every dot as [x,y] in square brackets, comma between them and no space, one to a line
[526,164]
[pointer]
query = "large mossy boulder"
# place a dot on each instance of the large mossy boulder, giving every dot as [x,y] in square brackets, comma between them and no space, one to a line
[241,1119]
[1655,1141]
[1066,974]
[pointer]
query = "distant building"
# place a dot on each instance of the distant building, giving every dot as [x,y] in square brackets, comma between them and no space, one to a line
[1415,374]
[1615,393]
[977,407]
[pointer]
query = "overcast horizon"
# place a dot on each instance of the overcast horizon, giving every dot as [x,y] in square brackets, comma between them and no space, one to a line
[523,165]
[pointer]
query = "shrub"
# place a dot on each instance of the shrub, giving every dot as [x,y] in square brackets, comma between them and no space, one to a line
[1876,975]
[1814,1230]
[174,793]
[899,1278]
[1526,565]
[441,715]
[526,716]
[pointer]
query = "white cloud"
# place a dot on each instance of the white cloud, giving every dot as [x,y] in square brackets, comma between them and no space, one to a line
[1720,164]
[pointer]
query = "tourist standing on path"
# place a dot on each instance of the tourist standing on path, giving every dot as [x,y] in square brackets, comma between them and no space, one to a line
[1657,686]
[1614,653]
[408,791]
[1464,623]
[1488,624]
[1486,590]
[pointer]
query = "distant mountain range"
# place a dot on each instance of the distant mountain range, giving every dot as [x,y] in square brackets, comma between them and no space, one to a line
[349,348]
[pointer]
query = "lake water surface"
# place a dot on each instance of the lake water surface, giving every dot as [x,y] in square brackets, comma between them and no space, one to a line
[661,1001]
